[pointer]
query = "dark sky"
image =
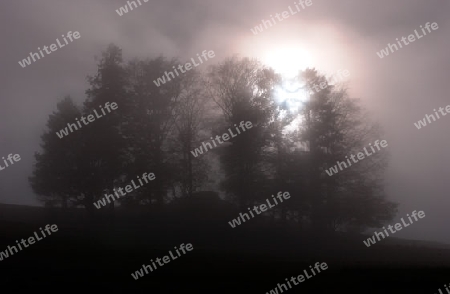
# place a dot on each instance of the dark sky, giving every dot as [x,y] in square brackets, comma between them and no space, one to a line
[398,90]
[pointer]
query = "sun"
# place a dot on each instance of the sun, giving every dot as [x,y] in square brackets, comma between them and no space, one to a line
[290,95]
[289,60]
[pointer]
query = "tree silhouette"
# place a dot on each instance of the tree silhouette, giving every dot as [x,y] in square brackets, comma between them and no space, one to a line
[242,89]
[57,167]
[336,126]
[150,126]
[190,116]
[156,127]
[103,149]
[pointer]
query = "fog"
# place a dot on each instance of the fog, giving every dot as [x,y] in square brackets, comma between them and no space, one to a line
[398,90]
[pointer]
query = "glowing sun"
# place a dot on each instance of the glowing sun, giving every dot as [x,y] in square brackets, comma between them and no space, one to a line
[288,61]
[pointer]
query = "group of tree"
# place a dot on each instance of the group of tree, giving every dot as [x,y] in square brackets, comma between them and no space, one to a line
[155,128]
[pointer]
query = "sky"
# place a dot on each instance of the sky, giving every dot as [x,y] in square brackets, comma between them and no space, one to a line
[397,90]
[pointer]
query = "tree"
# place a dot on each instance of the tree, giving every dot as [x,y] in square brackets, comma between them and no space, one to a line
[190,116]
[242,88]
[336,126]
[277,147]
[82,165]
[103,148]
[150,125]
[57,167]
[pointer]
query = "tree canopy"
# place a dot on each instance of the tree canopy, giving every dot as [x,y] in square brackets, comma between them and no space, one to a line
[155,128]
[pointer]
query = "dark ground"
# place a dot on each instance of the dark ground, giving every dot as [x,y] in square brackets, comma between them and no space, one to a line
[251,258]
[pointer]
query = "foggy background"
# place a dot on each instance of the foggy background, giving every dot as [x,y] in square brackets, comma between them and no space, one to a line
[398,90]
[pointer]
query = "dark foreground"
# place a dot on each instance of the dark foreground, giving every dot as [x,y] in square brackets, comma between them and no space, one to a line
[251,258]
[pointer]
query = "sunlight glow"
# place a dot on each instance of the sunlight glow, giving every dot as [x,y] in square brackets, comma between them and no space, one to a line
[291,95]
[288,61]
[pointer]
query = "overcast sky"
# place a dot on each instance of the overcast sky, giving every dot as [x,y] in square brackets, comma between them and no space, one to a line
[398,90]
